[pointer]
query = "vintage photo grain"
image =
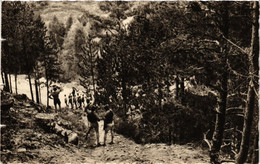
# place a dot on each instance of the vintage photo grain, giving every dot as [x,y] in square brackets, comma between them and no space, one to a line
[129,82]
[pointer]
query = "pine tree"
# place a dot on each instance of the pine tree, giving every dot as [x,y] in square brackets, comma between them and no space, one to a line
[87,54]
[24,44]
[50,63]
[57,31]
[11,31]
[69,23]
[252,87]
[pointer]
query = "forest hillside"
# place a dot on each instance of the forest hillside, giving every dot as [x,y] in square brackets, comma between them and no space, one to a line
[162,74]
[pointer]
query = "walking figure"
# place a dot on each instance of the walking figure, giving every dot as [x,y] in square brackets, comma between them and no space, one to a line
[93,120]
[66,100]
[71,101]
[83,100]
[55,96]
[75,102]
[74,91]
[79,101]
[109,124]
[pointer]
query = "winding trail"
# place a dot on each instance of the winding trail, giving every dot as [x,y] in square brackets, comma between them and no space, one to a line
[123,151]
[31,144]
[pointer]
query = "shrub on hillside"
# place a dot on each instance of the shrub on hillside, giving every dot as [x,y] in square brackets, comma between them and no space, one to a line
[174,123]
[128,129]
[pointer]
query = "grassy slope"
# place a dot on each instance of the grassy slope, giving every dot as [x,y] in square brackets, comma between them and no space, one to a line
[63,10]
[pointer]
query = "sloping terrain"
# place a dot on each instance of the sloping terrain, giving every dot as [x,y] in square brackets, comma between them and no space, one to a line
[24,140]
[62,10]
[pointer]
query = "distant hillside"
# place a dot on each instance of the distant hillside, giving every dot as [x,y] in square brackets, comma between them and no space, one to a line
[62,11]
[82,14]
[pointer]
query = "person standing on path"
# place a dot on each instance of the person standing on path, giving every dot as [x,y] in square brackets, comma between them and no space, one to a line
[83,100]
[93,120]
[79,100]
[71,101]
[55,95]
[66,100]
[74,91]
[109,124]
[75,101]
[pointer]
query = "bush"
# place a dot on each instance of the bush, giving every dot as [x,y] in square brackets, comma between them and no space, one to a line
[128,129]
[174,123]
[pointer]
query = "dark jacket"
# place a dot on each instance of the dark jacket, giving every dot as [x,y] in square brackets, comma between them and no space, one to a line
[109,117]
[92,117]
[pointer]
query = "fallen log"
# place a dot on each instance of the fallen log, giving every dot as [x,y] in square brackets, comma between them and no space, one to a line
[46,116]
[70,136]
[51,123]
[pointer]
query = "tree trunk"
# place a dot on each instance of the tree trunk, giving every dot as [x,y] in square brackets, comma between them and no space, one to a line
[6,88]
[248,119]
[255,156]
[222,99]
[15,77]
[160,97]
[92,71]
[40,96]
[47,92]
[182,85]
[47,78]
[182,89]
[170,130]
[3,80]
[30,84]
[177,88]
[10,81]
[219,128]
[36,91]
[124,95]
[249,111]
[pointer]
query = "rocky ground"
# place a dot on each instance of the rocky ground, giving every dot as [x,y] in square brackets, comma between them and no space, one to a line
[24,140]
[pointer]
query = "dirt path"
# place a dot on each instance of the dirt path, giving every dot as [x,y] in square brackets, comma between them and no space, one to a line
[29,143]
[123,151]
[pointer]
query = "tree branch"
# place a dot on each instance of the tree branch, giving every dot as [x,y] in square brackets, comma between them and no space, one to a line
[241,49]
[225,145]
[209,143]
[227,160]
[256,93]
[234,108]
[233,71]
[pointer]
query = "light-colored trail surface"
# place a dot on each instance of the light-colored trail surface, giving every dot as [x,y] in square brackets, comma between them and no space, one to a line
[123,151]
[31,144]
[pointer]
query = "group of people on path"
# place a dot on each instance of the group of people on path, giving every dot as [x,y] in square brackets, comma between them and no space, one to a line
[90,109]
[93,119]
[76,100]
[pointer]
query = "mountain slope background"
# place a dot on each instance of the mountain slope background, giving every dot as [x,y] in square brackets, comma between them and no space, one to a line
[63,11]
[83,14]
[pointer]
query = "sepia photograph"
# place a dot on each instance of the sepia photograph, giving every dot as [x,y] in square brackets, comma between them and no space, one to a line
[129,82]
